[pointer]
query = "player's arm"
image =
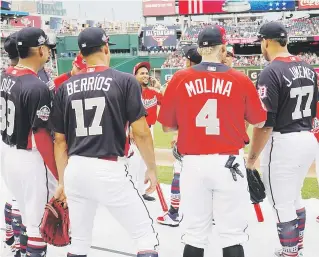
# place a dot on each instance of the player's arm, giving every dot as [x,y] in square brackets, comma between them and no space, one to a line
[135,113]
[268,89]
[60,144]
[167,114]
[39,107]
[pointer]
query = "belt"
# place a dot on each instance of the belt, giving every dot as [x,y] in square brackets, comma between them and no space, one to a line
[109,158]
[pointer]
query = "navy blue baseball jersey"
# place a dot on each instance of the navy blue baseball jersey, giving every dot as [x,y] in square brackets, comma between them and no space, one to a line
[94,109]
[25,106]
[288,89]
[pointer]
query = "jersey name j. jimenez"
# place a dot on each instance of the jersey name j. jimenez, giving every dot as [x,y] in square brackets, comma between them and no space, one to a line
[208,86]
[300,72]
[90,83]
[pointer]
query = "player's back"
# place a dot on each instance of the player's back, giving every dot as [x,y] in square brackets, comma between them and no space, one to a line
[19,91]
[212,105]
[288,87]
[97,105]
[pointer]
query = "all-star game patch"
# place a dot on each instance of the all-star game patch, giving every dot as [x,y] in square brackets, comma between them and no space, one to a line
[43,113]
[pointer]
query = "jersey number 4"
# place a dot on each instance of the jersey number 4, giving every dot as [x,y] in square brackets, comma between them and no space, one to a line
[207,118]
[299,92]
[7,115]
[89,103]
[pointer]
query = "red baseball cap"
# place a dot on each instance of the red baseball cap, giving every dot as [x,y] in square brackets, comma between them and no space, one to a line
[147,65]
[212,36]
[79,62]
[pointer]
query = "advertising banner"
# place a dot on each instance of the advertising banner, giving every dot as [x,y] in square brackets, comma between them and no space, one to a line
[158,8]
[234,6]
[159,35]
[253,74]
[308,4]
[27,21]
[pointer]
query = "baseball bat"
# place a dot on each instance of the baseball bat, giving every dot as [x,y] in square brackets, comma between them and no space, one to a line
[259,213]
[161,197]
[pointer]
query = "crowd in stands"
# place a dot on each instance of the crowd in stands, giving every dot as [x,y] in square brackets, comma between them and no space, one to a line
[175,60]
[249,29]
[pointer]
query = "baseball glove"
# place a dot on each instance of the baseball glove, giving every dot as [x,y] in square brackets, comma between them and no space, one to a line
[54,227]
[176,154]
[256,186]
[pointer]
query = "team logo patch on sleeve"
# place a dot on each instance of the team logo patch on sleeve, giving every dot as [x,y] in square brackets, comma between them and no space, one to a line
[262,91]
[43,113]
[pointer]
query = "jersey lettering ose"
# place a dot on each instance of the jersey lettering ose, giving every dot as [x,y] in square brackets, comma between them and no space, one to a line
[288,88]
[94,109]
[209,104]
[151,99]
[25,106]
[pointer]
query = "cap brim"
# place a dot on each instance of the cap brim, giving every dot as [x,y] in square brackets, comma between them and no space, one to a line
[142,64]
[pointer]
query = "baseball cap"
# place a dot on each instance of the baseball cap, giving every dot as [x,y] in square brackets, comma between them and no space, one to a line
[79,62]
[230,50]
[190,52]
[32,37]
[147,65]
[10,46]
[93,37]
[272,30]
[212,36]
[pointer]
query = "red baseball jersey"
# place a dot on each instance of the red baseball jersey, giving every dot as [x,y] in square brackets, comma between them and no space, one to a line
[209,104]
[151,99]
[58,81]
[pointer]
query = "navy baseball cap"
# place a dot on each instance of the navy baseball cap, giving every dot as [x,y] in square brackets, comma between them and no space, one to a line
[32,37]
[93,37]
[190,52]
[212,36]
[10,46]
[272,30]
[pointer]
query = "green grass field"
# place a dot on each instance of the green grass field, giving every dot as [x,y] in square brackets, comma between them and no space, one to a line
[163,140]
[310,188]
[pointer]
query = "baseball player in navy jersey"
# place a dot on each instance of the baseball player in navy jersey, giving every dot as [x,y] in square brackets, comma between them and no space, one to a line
[208,104]
[171,218]
[91,115]
[25,104]
[288,89]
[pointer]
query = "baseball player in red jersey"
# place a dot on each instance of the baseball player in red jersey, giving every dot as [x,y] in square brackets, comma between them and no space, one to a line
[151,99]
[208,104]
[91,115]
[288,89]
[27,143]
[171,218]
[77,65]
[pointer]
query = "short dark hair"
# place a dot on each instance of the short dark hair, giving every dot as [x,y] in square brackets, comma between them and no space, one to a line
[92,50]
[282,41]
[24,52]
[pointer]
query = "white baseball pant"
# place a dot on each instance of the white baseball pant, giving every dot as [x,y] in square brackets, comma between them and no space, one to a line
[30,182]
[137,168]
[207,186]
[284,163]
[92,181]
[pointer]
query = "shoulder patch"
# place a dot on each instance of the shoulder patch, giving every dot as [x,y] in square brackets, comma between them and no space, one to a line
[43,113]
[262,91]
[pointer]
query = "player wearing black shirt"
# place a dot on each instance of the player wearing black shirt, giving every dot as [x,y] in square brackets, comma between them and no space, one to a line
[288,89]
[91,115]
[28,169]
